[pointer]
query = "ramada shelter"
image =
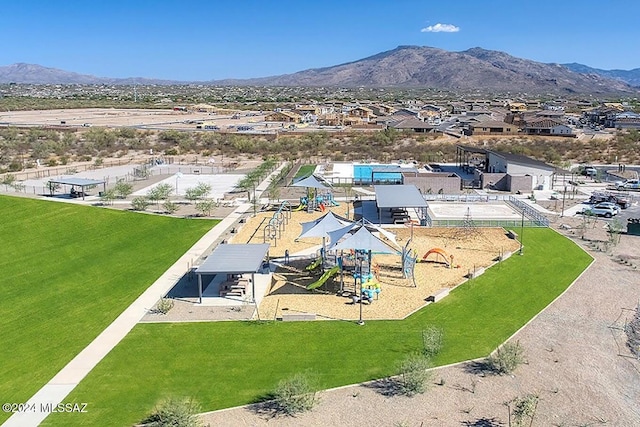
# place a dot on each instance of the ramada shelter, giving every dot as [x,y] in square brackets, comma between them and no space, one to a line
[222,274]
[74,182]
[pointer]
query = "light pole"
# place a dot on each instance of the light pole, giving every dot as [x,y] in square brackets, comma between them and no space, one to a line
[564,195]
[521,230]
[360,321]
[178,176]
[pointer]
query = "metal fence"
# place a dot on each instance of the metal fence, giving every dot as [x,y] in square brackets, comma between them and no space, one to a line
[529,213]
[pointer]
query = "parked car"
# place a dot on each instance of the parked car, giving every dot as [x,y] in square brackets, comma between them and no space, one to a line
[589,171]
[599,197]
[604,209]
[630,184]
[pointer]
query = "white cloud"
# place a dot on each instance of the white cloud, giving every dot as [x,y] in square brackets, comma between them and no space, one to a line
[440,28]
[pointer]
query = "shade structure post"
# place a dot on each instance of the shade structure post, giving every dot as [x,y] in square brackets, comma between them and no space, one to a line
[360,321]
[200,288]
[253,288]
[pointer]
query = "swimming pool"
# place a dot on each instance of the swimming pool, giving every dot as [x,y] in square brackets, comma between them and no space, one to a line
[364,174]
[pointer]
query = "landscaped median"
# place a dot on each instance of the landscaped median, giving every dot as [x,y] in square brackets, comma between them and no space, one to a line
[232,363]
[67,272]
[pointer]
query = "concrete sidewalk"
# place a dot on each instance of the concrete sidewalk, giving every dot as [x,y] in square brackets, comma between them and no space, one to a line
[59,387]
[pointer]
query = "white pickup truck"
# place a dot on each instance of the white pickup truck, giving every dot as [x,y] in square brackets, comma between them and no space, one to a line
[630,184]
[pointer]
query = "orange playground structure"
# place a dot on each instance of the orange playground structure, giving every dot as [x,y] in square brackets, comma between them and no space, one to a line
[448,259]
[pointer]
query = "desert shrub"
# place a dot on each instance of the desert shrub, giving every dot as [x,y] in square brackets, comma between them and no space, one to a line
[633,333]
[414,374]
[123,189]
[140,203]
[164,305]
[432,340]
[524,408]
[294,395]
[174,413]
[506,359]
[170,207]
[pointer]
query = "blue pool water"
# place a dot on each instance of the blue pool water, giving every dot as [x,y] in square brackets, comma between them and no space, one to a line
[362,174]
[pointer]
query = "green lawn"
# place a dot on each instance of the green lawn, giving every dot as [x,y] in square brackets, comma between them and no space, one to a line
[230,363]
[67,271]
[305,171]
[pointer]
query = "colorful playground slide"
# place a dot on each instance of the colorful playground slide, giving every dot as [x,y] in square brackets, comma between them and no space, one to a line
[323,279]
[315,264]
[299,207]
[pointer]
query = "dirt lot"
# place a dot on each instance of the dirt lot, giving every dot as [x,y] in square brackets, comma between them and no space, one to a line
[577,364]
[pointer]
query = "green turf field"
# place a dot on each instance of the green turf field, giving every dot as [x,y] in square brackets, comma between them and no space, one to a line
[66,272]
[231,363]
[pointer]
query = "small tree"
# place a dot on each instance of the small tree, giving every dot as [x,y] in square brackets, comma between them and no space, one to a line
[432,340]
[506,358]
[294,395]
[108,196]
[614,228]
[159,192]
[140,203]
[123,189]
[205,206]
[414,374]
[170,207]
[8,180]
[174,413]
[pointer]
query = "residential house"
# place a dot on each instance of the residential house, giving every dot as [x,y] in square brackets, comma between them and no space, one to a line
[546,127]
[364,114]
[492,127]
[283,116]
[624,120]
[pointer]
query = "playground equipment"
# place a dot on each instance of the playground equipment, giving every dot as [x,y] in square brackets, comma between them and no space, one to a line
[314,264]
[276,224]
[448,259]
[302,205]
[323,279]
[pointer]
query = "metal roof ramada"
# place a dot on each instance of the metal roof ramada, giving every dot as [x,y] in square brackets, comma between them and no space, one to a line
[399,196]
[82,182]
[234,259]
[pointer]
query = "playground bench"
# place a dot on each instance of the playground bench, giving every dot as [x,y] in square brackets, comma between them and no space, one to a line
[512,234]
[295,317]
[438,295]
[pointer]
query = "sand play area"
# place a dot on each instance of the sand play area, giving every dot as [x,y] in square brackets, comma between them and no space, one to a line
[471,249]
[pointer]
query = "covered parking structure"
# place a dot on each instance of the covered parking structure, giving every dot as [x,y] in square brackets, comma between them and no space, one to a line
[232,260]
[392,202]
[74,182]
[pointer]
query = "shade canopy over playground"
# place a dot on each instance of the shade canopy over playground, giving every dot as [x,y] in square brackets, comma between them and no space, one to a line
[310,182]
[362,239]
[234,259]
[322,226]
[75,182]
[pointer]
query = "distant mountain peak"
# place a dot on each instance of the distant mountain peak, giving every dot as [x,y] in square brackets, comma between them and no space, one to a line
[405,66]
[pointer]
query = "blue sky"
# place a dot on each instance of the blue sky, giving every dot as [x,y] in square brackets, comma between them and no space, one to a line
[215,39]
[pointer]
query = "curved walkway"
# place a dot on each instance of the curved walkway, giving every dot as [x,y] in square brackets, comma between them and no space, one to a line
[59,387]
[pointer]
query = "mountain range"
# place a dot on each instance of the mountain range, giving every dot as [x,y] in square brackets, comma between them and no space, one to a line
[403,67]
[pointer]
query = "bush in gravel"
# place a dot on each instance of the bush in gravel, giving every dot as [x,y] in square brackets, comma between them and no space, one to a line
[174,413]
[414,374]
[294,395]
[633,333]
[164,305]
[506,358]
[140,203]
